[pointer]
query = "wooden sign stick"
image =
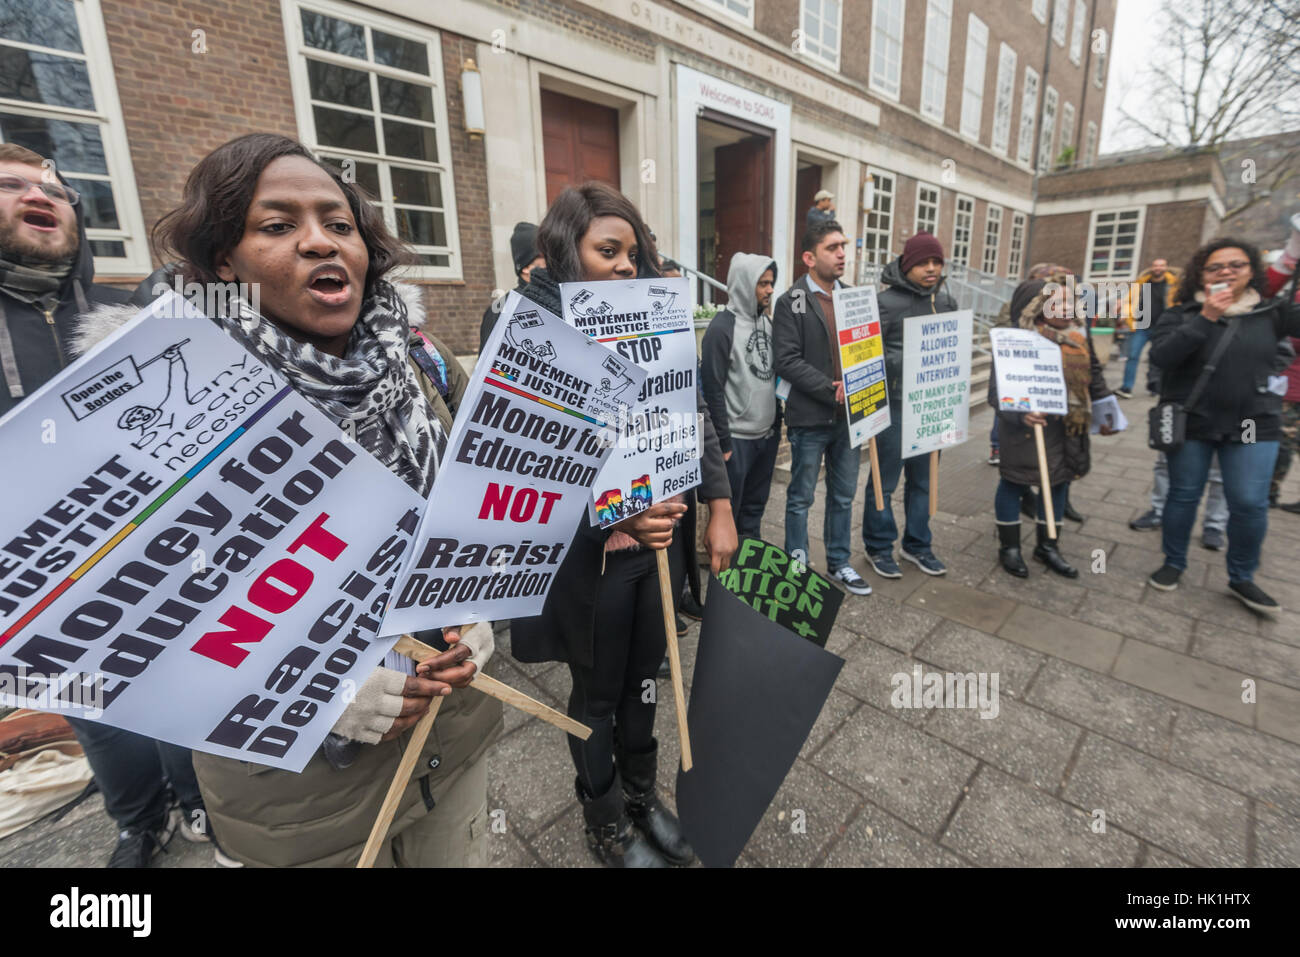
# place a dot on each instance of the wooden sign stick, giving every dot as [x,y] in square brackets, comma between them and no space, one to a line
[1044,482]
[674,656]
[875,475]
[419,651]
[934,482]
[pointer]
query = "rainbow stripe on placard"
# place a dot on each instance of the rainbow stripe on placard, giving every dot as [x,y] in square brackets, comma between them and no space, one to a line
[139,520]
[537,398]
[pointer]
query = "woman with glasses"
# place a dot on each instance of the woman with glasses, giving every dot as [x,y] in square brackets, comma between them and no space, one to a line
[1235,414]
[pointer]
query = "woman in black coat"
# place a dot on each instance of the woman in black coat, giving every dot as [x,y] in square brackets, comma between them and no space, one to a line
[603,614]
[1041,305]
[1236,416]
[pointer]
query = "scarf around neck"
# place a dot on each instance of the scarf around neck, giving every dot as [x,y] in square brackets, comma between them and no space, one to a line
[371,393]
[1076,358]
[32,281]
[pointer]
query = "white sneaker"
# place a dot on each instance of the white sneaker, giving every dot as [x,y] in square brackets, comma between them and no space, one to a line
[852,581]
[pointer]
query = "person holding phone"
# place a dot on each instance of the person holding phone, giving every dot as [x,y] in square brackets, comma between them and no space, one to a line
[603,615]
[1236,415]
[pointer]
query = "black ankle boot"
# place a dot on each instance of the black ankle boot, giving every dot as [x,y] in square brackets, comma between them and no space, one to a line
[646,810]
[1051,556]
[1009,550]
[610,834]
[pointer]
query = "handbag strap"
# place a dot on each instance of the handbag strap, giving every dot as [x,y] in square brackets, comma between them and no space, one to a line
[1210,366]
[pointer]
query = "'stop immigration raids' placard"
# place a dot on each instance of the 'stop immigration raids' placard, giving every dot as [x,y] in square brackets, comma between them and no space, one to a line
[1029,371]
[648,322]
[936,381]
[191,551]
[535,426]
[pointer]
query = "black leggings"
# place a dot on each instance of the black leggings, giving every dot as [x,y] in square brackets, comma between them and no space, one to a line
[628,646]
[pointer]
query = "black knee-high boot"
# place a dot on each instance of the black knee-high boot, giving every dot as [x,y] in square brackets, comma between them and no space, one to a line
[1009,550]
[646,810]
[1051,556]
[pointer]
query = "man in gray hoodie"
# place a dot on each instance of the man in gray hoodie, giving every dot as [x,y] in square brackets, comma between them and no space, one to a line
[740,386]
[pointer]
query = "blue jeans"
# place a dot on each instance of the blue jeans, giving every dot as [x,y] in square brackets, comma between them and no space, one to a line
[749,471]
[1006,502]
[807,446]
[879,530]
[1247,469]
[1137,341]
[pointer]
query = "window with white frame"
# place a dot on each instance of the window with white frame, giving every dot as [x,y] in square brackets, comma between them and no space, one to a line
[1006,92]
[927,209]
[1049,129]
[742,10]
[1077,31]
[962,224]
[877,240]
[1067,127]
[821,29]
[992,239]
[1028,116]
[370,97]
[1040,10]
[1090,145]
[1060,21]
[1016,248]
[58,98]
[1112,247]
[887,46]
[972,94]
[934,73]
[1099,59]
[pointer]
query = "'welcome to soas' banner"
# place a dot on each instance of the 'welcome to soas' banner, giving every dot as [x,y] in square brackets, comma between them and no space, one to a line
[533,430]
[1030,376]
[936,381]
[862,357]
[647,321]
[191,551]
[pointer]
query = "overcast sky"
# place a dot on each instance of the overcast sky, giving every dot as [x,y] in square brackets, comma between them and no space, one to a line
[1136,35]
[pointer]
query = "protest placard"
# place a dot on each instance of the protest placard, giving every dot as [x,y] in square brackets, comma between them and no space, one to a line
[787,591]
[1029,373]
[936,387]
[536,424]
[648,322]
[862,357]
[190,550]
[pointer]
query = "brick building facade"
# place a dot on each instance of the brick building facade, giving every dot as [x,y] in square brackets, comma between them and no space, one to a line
[719,118]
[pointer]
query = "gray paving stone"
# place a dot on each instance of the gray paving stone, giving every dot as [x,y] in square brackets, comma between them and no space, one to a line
[901,626]
[838,707]
[507,850]
[1100,703]
[1202,603]
[1155,857]
[564,843]
[956,647]
[1110,511]
[1238,757]
[531,800]
[1022,740]
[1004,823]
[1139,561]
[1284,627]
[966,605]
[878,839]
[907,772]
[804,817]
[1131,618]
[1192,817]
[1277,838]
[868,675]
[1062,637]
[1247,652]
[970,569]
[1189,680]
[1042,588]
[1279,711]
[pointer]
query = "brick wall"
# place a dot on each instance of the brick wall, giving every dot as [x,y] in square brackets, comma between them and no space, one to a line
[1061,239]
[1173,231]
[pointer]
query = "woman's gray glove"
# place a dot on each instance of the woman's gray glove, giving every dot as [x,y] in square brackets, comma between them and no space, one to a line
[373,710]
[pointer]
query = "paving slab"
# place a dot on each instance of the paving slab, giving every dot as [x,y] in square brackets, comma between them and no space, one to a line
[1062,637]
[907,772]
[1186,814]
[878,839]
[1279,711]
[1019,739]
[880,618]
[956,647]
[1103,704]
[1277,839]
[1004,823]
[868,675]
[1135,620]
[1199,683]
[1238,757]
[1243,651]
[966,605]
[806,816]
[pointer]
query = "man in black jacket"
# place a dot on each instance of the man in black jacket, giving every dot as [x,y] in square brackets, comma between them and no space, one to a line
[913,287]
[46,281]
[808,358]
[523,250]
